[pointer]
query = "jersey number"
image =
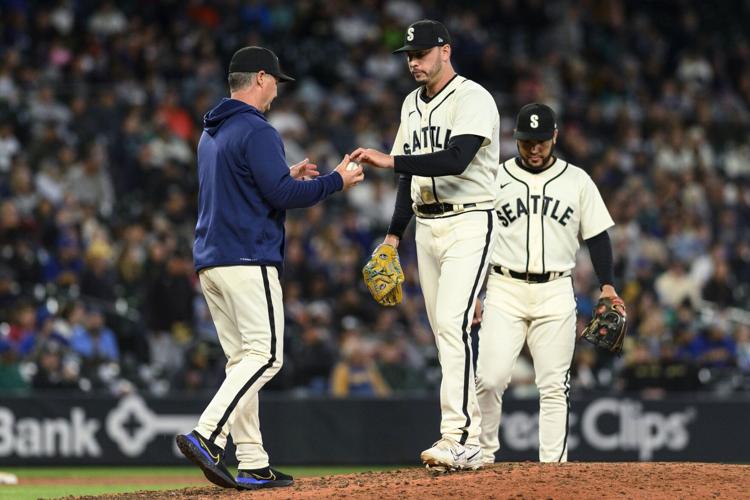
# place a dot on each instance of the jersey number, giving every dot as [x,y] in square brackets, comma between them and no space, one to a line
[410,34]
[534,121]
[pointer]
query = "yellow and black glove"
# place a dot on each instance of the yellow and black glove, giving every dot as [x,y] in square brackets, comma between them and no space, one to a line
[383,275]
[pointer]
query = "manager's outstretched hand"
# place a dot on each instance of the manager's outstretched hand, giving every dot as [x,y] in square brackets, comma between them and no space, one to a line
[304,170]
[372,157]
[351,177]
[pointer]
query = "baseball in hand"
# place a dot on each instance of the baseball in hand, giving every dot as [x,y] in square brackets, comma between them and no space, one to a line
[353,165]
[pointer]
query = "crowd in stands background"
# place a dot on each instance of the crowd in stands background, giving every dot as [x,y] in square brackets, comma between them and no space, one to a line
[101,105]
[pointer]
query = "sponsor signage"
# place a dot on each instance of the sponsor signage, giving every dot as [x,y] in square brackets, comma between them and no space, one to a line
[62,430]
[609,425]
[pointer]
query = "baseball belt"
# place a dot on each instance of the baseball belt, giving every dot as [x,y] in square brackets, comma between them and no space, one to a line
[445,208]
[531,277]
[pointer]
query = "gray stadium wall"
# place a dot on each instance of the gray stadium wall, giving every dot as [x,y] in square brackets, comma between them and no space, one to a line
[59,430]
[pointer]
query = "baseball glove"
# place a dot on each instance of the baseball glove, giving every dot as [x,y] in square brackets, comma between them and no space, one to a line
[607,327]
[383,275]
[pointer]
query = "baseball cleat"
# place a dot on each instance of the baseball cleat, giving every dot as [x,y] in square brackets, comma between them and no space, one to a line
[208,456]
[436,470]
[8,478]
[447,455]
[262,478]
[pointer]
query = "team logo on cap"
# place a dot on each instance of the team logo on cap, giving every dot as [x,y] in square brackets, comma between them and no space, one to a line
[410,34]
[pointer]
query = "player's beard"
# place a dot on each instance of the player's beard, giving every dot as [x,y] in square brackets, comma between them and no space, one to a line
[545,162]
[434,75]
[431,76]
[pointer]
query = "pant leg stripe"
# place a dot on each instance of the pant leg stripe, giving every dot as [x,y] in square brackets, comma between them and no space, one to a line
[468,364]
[567,414]
[262,369]
[271,316]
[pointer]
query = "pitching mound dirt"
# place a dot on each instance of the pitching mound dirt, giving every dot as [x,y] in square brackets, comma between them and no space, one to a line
[505,480]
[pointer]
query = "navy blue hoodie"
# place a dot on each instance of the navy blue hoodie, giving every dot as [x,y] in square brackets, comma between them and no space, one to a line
[245,189]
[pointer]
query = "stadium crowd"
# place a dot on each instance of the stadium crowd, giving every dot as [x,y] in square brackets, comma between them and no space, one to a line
[101,107]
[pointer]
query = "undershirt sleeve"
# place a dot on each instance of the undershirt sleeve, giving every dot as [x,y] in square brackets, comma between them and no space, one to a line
[452,160]
[600,250]
[402,213]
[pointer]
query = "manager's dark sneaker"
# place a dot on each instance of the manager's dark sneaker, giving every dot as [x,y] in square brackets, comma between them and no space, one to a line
[262,478]
[208,456]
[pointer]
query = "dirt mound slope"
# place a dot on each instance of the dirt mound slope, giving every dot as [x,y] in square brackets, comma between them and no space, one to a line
[504,480]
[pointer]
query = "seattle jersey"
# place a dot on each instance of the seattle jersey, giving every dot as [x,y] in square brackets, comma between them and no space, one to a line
[541,216]
[462,107]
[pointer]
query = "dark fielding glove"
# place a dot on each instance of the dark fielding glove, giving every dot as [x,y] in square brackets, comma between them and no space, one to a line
[607,327]
[383,275]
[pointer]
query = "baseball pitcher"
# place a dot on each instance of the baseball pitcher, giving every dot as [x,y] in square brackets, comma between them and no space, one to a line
[447,152]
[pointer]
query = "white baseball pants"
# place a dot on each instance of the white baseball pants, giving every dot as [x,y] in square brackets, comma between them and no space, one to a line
[246,305]
[452,255]
[544,316]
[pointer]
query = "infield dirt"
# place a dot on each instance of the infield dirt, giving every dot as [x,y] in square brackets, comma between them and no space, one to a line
[504,480]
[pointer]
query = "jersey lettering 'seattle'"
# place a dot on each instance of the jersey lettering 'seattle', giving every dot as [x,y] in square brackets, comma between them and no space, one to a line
[554,207]
[431,137]
[507,215]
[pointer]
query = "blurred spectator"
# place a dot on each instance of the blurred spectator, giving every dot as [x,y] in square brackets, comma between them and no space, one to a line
[89,182]
[170,293]
[23,326]
[64,266]
[23,190]
[642,372]
[720,288]
[677,374]
[45,334]
[45,109]
[312,358]
[675,155]
[11,380]
[9,147]
[93,341]
[742,341]
[98,277]
[584,369]
[9,292]
[169,307]
[53,372]
[714,347]
[70,319]
[107,20]
[397,371]
[166,146]
[356,374]
[675,286]
[199,373]
[522,379]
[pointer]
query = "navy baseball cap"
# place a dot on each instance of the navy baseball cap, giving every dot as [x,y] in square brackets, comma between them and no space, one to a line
[535,122]
[424,34]
[252,59]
